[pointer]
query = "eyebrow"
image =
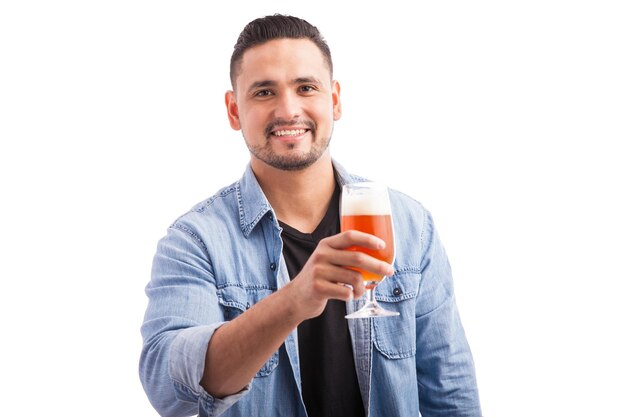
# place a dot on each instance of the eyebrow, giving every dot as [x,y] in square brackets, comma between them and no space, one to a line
[306,80]
[271,83]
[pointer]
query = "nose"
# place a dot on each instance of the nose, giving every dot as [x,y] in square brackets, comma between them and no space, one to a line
[287,107]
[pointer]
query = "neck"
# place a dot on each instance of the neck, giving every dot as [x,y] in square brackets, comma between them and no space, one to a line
[299,198]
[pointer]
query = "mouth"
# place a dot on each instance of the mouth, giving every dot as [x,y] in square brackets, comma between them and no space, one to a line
[289,136]
[289,130]
[289,133]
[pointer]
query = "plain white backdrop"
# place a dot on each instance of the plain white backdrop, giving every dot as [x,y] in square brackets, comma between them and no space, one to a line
[504,118]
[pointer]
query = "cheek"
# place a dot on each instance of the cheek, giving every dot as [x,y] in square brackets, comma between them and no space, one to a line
[251,120]
[323,113]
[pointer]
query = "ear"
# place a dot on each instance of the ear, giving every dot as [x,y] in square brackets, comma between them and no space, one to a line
[336,90]
[232,110]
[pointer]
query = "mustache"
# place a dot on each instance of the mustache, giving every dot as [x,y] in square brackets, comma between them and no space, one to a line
[276,123]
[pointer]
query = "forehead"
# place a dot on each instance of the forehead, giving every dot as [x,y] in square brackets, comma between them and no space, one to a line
[278,58]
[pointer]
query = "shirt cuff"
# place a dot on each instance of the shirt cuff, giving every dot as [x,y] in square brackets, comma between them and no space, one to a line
[186,368]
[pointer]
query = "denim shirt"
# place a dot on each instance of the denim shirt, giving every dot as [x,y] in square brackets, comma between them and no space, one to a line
[226,254]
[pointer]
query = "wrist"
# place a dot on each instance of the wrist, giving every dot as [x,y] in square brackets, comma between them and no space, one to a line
[293,312]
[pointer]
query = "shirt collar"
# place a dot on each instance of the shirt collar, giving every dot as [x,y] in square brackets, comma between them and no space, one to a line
[253,204]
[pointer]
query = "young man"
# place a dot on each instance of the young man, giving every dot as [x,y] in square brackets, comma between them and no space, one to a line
[250,288]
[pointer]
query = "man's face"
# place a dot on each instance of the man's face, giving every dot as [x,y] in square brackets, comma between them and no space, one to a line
[285,103]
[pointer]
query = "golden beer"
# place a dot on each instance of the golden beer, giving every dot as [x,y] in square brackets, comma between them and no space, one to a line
[365,207]
[377,225]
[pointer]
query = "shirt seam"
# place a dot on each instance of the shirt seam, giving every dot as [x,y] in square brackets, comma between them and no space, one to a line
[193,235]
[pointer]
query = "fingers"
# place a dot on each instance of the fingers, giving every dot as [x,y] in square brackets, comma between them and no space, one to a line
[336,275]
[340,256]
[318,282]
[338,291]
[351,238]
[360,260]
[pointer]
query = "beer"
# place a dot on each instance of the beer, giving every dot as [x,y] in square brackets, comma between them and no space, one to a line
[369,213]
[378,225]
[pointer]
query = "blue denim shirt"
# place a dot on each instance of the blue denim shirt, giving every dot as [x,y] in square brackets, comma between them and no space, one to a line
[226,254]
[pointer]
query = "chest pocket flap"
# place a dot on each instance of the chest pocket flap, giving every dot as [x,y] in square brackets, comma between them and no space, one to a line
[394,337]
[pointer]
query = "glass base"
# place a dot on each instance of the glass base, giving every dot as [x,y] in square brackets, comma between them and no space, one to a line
[371,309]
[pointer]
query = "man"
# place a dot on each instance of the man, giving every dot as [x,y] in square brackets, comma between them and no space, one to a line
[250,288]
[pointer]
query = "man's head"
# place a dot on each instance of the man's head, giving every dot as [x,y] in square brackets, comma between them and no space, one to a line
[284,99]
[268,28]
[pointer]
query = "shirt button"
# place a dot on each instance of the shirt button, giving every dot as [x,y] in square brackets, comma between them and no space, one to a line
[273,266]
[397,291]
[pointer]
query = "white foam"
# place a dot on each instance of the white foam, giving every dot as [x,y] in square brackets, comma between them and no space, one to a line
[365,204]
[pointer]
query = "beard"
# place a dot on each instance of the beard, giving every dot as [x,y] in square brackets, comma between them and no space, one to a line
[292,160]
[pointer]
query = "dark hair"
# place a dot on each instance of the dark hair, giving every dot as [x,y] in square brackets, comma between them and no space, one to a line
[278,26]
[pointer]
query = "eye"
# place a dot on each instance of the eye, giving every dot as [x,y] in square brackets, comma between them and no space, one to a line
[263,93]
[306,88]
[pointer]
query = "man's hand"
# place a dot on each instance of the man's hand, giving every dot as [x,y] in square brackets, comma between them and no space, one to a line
[326,274]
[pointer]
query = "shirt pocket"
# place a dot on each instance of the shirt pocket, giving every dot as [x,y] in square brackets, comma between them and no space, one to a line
[234,300]
[394,337]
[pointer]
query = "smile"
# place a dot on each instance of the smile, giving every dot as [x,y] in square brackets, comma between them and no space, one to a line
[290,132]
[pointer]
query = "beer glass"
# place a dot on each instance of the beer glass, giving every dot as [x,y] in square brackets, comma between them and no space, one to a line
[365,207]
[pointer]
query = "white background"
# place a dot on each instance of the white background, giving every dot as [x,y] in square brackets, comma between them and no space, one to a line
[502,117]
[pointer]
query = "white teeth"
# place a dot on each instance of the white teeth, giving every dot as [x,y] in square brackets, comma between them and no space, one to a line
[294,132]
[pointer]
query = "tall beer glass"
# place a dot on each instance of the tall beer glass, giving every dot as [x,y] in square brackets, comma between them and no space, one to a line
[365,207]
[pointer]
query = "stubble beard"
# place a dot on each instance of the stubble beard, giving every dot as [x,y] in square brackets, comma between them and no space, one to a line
[293,160]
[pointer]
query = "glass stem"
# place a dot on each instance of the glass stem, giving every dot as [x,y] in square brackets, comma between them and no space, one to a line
[369,294]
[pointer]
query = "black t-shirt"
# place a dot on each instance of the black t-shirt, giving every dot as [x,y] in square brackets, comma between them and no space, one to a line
[329,383]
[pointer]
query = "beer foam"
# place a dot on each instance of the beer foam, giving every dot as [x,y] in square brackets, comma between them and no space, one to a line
[365,205]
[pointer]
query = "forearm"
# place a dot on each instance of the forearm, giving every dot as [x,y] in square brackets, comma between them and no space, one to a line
[239,348]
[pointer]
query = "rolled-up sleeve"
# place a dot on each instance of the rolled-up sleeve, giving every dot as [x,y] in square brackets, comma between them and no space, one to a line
[445,368]
[183,313]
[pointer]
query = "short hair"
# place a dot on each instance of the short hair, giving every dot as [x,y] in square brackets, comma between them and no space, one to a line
[277,26]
